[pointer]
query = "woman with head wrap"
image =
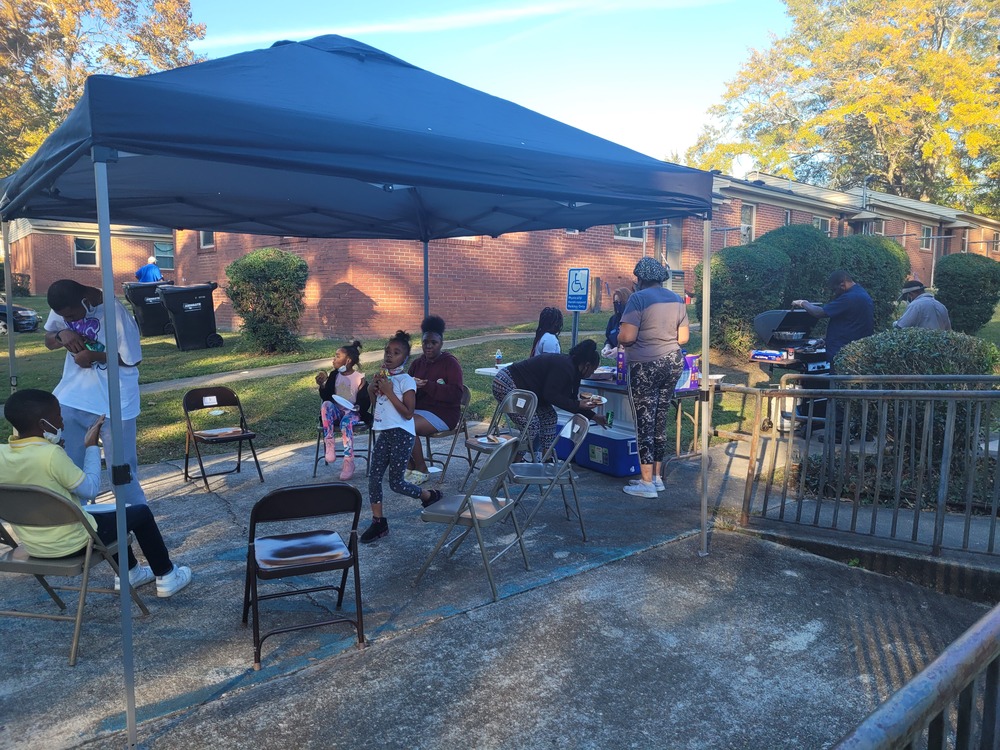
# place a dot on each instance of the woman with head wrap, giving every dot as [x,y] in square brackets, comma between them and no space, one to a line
[438,375]
[555,380]
[654,326]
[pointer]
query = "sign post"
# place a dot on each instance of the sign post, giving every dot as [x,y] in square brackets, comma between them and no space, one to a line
[577,296]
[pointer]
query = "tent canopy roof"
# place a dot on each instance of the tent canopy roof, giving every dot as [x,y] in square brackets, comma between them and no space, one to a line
[333,138]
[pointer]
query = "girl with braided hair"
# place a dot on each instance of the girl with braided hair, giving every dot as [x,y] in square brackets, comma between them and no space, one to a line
[550,323]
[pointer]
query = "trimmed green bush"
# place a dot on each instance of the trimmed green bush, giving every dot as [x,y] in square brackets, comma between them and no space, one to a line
[813,257]
[918,351]
[266,288]
[21,283]
[969,286]
[879,265]
[746,280]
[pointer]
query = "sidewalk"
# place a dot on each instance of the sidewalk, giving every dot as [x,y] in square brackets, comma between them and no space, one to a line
[631,639]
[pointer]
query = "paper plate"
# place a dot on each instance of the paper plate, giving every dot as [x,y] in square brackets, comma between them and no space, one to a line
[341,401]
[596,401]
[487,441]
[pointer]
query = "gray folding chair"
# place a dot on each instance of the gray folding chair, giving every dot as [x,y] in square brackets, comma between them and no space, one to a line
[517,408]
[552,473]
[476,513]
[25,505]
[461,427]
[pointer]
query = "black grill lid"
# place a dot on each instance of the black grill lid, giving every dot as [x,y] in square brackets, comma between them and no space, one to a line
[765,324]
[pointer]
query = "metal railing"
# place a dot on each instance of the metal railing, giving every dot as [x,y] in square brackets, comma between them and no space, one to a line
[953,703]
[918,466]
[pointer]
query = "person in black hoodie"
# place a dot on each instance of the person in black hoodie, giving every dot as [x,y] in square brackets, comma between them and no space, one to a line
[555,380]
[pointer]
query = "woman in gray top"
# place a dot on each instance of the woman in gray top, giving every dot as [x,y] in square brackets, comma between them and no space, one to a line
[653,328]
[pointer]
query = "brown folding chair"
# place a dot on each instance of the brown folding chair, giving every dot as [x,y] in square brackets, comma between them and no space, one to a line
[25,505]
[199,400]
[461,427]
[300,553]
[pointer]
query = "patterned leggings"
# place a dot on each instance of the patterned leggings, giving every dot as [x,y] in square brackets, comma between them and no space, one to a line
[651,386]
[542,427]
[392,451]
[330,414]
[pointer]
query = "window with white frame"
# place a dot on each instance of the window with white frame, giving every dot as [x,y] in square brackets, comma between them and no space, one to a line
[965,241]
[788,217]
[632,231]
[164,254]
[822,223]
[996,242]
[926,235]
[878,226]
[84,252]
[206,239]
[748,212]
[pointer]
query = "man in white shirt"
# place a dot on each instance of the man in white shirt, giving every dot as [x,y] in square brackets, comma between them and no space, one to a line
[923,311]
[77,324]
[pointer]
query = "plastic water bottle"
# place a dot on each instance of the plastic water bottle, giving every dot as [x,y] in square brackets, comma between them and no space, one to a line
[499,358]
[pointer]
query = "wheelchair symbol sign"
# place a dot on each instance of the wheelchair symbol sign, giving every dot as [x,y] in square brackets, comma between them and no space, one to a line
[577,289]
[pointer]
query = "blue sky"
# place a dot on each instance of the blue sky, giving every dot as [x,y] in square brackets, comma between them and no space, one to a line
[638,72]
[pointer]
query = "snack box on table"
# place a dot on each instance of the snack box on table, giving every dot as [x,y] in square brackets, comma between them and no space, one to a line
[610,451]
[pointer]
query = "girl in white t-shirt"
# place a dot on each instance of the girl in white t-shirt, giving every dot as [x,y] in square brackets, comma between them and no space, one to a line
[345,381]
[394,395]
[550,323]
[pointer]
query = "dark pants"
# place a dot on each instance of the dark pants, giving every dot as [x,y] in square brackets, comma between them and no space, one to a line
[139,520]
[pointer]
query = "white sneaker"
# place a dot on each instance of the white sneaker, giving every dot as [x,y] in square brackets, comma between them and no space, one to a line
[173,581]
[138,576]
[408,476]
[418,477]
[657,483]
[641,489]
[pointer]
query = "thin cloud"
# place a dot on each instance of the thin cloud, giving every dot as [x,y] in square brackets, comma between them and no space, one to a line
[447,22]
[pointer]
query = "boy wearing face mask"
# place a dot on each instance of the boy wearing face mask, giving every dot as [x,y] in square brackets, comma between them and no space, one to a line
[77,324]
[34,456]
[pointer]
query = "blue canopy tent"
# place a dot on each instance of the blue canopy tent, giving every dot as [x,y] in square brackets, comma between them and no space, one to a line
[326,138]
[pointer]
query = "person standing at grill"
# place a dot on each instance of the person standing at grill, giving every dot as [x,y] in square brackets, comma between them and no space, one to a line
[851,313]
[923,311]
[654,326]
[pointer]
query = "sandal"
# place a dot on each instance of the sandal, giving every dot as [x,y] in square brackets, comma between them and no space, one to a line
[435,496]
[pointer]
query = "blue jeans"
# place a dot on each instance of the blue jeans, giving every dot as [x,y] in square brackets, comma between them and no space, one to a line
[75,426]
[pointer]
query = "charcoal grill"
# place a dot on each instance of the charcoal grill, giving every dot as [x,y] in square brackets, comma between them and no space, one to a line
[786,342]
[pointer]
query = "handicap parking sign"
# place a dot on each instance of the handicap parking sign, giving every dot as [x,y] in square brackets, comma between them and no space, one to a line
[578,289]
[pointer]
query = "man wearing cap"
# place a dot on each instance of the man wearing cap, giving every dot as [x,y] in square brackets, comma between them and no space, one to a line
[149,272]
[923,311]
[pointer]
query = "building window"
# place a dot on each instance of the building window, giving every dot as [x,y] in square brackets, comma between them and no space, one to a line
[633,231]
[925,238]
[822,224]
[748,212]
[996,242]
[878,226]
[206,239]
[84,252]
[164,253]
[788,217]
[965,241]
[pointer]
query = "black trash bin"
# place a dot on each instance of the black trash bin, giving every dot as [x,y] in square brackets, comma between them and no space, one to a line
[192,314]
[147,309]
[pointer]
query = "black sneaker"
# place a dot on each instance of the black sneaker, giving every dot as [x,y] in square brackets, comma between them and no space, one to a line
[378,529]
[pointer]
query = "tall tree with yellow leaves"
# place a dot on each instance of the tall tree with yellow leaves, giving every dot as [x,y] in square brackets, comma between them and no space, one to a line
[905,94]
[49,47]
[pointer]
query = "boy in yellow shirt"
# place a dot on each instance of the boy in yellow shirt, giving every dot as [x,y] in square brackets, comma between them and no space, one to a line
[34,456]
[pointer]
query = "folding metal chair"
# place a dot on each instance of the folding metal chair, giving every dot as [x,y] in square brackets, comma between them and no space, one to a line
[517,408]
[461,427]
[360,429]
[478,512]
[300,553]
[212,399]
[552,473]
[25,505]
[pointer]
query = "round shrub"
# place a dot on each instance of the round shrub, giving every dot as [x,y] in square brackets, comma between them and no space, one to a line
[918,351]
[746,280]
[969,286]
[266,287]
[879,265]
[811,254]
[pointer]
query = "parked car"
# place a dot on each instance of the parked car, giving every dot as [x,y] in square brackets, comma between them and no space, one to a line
[25,319]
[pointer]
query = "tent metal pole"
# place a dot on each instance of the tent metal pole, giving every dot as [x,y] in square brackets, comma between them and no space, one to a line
[8,285]
[119,469]
[706,395]
[427,281]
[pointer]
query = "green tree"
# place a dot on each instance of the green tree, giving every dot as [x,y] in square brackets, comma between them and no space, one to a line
[49,47]
[906,91]
[267,287]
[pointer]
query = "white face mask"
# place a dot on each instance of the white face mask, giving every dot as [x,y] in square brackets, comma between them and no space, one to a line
[53,437]
[87,308]
[343,369]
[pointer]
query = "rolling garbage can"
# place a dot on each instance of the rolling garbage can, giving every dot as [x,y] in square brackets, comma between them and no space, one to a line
[147,309]
[192,314]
